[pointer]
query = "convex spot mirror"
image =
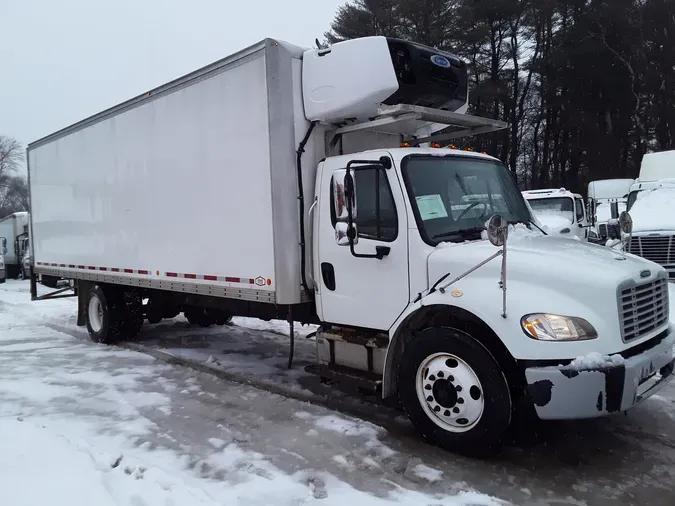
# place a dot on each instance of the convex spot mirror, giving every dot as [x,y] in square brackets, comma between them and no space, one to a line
[497,230]
[342,234]
[625,223]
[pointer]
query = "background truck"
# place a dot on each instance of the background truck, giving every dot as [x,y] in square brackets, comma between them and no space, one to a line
[562,211]
[323,199]
[652,200]
[14,228]
[606,199]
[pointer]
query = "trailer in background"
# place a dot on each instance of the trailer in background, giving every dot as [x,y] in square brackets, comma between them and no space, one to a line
[14,229]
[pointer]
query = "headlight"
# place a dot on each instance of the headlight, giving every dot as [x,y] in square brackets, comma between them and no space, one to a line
[553,327]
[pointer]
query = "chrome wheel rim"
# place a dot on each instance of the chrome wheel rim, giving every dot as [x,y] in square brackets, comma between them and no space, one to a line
[450,392]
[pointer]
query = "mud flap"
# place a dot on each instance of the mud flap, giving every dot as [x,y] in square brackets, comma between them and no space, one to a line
[82,289]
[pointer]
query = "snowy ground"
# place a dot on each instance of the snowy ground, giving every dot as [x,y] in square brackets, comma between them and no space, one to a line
[84,424]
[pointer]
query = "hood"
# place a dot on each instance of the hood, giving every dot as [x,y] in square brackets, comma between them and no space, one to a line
[536,259]
[554,221]
[653,210]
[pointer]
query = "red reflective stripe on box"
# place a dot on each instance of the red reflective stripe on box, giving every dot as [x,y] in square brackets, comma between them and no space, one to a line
[103,268]
[172,274]
[114,269]
[211,278]
[129,271]
[145,273]
[190,276]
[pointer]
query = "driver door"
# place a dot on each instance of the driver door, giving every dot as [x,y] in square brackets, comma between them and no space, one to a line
[362,291]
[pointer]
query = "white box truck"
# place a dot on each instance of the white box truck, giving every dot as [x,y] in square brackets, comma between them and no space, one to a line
[302,176]
[13,230]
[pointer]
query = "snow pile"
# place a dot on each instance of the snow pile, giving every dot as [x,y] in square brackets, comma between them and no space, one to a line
[653,210]
[595,360]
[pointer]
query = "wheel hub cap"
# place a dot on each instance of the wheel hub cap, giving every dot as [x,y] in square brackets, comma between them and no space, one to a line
[450,392]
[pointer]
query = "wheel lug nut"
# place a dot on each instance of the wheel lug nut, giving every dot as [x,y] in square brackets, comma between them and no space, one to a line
[430,399]
[460,401]
[455,410]
[447,413]
[440,374]
[458,388]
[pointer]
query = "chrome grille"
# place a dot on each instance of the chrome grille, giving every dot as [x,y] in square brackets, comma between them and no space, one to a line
[657,248]
[643,308]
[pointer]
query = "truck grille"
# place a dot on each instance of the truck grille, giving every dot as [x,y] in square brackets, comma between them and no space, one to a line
[659,249]
[602,230]
[643,308]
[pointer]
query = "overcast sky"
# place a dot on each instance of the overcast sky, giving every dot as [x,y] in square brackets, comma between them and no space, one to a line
[64,60]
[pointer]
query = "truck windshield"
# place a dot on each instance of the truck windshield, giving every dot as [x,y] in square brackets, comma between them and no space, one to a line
[453,196]
[555,206]
[632,197]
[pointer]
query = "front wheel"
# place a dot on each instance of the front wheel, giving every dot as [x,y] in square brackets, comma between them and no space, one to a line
[454,392]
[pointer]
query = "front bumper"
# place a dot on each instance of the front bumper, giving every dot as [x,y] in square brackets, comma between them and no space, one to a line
[565,393]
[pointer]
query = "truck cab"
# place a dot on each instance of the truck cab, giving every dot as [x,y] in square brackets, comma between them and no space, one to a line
[605,200]
[562,211]
[653,237]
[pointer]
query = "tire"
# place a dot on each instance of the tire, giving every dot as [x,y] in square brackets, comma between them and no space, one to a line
[197,316]
[464,402]
[133,317]
[104,316]
[222,318]
[2,280]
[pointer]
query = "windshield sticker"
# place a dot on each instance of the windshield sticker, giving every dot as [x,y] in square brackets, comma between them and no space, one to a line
[431,207]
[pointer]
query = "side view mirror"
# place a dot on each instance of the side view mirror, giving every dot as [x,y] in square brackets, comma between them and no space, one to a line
[626,223]
[3,245]
[497,230]
[342,234]
[344,193]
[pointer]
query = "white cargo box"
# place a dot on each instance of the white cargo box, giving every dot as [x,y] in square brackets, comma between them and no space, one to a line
[190,187]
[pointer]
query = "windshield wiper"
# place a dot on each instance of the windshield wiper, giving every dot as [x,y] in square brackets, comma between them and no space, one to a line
[531,222]
[460,234]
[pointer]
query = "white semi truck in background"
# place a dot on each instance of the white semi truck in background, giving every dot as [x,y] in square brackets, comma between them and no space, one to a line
[562,211]
[311,211]
[652,201]
[13,230]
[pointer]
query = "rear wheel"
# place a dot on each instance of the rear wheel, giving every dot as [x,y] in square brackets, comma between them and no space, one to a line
[454,392]
[198,316]
[104,316]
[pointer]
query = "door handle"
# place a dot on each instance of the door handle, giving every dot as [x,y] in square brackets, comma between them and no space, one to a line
[328,274]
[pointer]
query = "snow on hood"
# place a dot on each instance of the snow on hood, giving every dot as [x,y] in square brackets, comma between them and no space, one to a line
[653,210]
[532,256]
[554,220]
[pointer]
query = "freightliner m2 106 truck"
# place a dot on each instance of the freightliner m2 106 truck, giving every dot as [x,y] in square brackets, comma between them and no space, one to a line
[322,197]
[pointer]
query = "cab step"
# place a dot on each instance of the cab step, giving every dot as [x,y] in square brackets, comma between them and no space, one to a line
[346,375]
